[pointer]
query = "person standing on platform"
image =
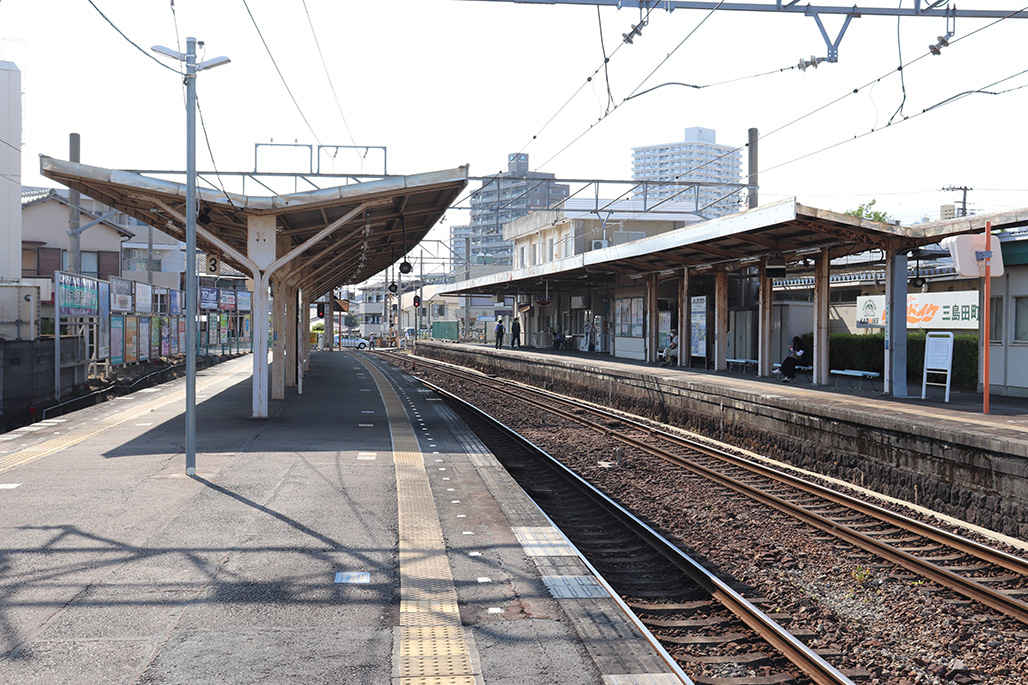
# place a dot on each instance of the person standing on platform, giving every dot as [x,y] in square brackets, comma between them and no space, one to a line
[500,330]
[515,334]
[798,352]
[371,340]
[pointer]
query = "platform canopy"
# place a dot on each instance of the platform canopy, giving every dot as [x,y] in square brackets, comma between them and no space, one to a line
[786,231]
[303,244]
[401,209]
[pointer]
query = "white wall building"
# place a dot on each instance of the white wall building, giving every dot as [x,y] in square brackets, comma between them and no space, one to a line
[696,158]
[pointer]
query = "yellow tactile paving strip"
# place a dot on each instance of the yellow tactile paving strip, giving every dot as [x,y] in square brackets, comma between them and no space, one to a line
[54,445]
[430,645]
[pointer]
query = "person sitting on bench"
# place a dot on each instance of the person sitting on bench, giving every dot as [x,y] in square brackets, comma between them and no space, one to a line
[797,352]
[671,351]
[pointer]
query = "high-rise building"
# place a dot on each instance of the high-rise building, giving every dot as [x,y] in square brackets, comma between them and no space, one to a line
[506,197]
[696,158]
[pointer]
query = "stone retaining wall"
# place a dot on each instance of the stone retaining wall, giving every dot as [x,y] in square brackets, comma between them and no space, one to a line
[976,475]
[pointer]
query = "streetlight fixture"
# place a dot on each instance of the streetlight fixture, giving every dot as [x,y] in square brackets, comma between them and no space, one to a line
[189,57]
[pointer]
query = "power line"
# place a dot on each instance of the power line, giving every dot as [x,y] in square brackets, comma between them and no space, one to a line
[131,42]
[636,30]
[210,151]
[331,85]
[280,75]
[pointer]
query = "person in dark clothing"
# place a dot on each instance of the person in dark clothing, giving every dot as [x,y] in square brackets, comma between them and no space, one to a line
[500,330]
[798,353]
[515,334]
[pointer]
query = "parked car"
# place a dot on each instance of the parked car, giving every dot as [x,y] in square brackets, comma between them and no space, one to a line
[359,343]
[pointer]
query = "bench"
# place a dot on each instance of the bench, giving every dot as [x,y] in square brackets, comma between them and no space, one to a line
[744,363]
[806,370]
[852,373]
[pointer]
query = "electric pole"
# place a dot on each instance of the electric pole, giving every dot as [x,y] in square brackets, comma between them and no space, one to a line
[963,202]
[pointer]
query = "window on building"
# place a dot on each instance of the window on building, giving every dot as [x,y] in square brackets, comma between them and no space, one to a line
[1020,318]
[90,262]
[996,318]
[439,310]
[549,250]
[630,315]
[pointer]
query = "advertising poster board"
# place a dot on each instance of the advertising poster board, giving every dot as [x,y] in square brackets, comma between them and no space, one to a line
[78,295]
[144,298]
[121,295]
[144,338]
[155,337]
[244,301]
[103,338]
[165,336]
[226,300]
[182,336]
[223,338]
[131,339]
[208,297]
[698,326]
[246,329]
[175,301]
[117,339]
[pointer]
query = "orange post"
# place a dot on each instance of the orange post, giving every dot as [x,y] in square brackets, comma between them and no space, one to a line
[988,308]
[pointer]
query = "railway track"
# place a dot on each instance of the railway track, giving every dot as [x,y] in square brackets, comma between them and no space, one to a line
[716,635]
[975,571]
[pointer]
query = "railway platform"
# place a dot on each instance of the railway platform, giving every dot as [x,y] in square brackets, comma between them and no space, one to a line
[361,534]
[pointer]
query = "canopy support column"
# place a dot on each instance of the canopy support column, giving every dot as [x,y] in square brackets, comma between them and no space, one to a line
[765,325]
[684,322]
[822,269]
[896,324]
[291,330]
[721,321]
[652,325]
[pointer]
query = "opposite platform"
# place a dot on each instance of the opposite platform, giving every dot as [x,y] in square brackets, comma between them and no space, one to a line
[360,535]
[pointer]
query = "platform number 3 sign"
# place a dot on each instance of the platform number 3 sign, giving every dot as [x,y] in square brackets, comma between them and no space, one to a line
[213,264]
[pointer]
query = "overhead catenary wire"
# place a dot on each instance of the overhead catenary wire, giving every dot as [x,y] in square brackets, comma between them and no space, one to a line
[926,110]
[280,74]
[800,118]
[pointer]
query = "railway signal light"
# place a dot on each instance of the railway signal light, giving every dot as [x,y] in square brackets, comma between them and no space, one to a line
[417,300]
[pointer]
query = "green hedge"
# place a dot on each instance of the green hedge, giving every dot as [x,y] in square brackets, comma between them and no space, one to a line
[867,353]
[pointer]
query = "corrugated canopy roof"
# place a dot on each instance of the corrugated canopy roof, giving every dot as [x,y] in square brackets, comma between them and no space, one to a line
[402,204]
[785,229]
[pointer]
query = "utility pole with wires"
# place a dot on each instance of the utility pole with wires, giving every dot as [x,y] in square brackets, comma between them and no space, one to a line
[963,202]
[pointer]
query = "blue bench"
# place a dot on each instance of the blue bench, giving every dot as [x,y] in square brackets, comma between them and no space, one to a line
[850,374]
[744,363]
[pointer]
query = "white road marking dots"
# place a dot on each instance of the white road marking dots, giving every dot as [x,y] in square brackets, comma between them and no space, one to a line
[484,579]
[494,610]
[353,577]
[365,425]
[9,486]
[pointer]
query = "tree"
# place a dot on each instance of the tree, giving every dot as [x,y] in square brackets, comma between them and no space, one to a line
[867,211]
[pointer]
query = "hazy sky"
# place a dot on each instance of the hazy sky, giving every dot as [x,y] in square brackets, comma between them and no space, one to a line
[448,82]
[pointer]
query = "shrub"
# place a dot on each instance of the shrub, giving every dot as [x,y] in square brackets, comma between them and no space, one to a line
[867,353]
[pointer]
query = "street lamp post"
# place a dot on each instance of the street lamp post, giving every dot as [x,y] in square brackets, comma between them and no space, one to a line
[190,77]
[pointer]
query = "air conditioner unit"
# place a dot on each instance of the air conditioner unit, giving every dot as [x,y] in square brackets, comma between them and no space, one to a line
[599,244]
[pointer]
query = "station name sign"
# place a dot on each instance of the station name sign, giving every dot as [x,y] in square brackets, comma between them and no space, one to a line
[938,311]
